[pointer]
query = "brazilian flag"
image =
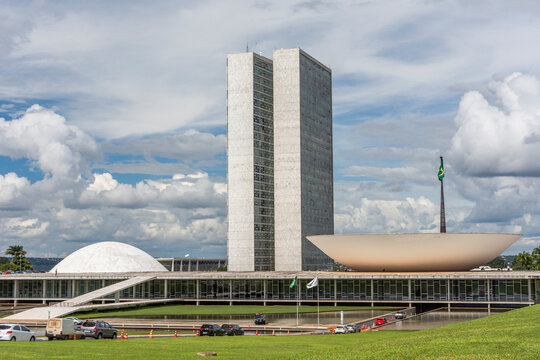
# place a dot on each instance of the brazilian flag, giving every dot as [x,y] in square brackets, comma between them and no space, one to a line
[293,282]
[440,173]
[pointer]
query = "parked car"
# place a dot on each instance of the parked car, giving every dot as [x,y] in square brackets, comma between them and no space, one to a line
[7,272]
[211,330]
[15,332]
[351,328]
[98,329]
[380,321]
[260,319]
[63,329]
[341,329]
[232,329]
[78,322]
[400,315]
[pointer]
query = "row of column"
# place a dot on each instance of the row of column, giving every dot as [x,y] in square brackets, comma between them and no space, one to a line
[197,297]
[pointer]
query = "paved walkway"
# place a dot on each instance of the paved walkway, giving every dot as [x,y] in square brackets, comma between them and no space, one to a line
[77,303]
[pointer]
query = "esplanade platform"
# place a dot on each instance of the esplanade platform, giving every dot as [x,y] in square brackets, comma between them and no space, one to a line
[488,288]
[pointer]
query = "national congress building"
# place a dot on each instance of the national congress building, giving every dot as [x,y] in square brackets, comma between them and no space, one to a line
[280,169]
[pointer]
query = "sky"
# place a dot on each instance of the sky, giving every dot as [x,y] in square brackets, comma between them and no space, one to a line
[113,117]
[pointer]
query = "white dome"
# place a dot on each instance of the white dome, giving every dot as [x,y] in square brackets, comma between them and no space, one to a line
[108,256]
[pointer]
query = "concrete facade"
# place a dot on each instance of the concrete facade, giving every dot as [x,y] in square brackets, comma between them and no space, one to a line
[280,170]
[250,184]
[303,165]
[489,288]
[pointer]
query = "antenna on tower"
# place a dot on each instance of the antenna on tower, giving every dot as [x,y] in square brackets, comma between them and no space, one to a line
[247,47]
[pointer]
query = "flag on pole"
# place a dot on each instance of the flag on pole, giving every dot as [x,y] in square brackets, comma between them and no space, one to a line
[294,281]
[313,283]
[440,173]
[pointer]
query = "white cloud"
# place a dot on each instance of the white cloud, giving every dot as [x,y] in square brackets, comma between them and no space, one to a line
[23,227]
[500,138]
[12,191]
[42,135]
[388,216]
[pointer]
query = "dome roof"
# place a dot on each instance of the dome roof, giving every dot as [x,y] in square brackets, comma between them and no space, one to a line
[108,256]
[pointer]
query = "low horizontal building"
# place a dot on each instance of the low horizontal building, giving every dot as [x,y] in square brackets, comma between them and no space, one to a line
[493,288]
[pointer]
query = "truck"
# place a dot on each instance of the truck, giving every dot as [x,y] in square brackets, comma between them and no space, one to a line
[62,329]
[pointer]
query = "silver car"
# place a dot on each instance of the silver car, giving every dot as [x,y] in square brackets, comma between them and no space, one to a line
[15,332]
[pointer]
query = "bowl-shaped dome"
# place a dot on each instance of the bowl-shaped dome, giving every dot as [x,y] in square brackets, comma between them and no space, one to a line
[413,252]
[108,256]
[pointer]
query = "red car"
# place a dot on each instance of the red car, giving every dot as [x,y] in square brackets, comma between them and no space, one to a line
[7,272]
[380,321]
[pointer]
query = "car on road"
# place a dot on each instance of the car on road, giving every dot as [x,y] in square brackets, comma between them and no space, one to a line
[232,329]
[400,315]
[98,329]
[16,332]
[260,319]
[380,321]
[352,328]
[7,272]
[211,330]
[76,321]
[341,329]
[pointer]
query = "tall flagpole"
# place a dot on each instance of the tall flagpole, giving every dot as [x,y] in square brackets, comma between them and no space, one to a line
[297,300]
[318,292]
[443,218]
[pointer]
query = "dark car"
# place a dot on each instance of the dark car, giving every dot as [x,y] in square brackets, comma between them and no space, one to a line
[260,319]
[98,329]
[211,330]
[232,329]
[380,321]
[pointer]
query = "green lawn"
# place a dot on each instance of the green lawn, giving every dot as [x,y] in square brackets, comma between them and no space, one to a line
[510,335]
[215,310]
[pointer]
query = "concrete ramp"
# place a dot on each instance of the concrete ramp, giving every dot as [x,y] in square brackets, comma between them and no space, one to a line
[77,303]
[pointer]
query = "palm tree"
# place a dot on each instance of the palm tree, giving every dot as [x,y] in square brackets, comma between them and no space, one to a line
[523,261]
[536,257]
[18,253]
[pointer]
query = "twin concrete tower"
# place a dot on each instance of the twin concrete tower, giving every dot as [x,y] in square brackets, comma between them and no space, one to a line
[280,167]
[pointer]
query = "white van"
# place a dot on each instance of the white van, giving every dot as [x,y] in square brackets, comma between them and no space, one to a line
[64,329]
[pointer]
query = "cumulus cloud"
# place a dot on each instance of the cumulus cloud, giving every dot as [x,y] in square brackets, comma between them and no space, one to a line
[13,190]
[71,207]
[43,136]
[183,191]
[499,138]
[388,216]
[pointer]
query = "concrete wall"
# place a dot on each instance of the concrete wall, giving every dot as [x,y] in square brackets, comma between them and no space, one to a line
[303,167]
[287,160]
[240,246]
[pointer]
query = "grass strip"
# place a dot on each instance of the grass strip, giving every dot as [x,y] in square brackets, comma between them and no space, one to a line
[509,335]
[215,310]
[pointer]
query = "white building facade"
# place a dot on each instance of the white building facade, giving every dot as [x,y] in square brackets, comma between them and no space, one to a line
[280,169]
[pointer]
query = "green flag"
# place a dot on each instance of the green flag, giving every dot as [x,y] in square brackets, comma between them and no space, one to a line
[440,173]
[294,281]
